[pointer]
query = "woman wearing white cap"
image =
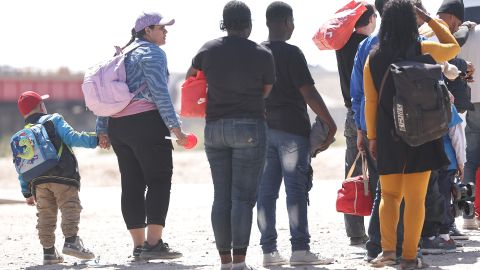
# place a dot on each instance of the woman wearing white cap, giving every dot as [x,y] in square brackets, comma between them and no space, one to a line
[137,135]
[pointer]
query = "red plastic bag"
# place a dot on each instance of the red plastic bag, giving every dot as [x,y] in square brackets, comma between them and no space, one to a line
[335,32]
[354,197]
[194,96]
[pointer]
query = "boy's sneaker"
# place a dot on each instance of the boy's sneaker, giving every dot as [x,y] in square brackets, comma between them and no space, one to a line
[438,246]
[357,241]
[470,224]
[136,252]
[306,257]
[160,251]
[273,258]
[455,234]
[76,249]
[52,258]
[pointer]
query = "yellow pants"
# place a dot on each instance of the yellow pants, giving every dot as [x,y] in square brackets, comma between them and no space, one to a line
[412,188]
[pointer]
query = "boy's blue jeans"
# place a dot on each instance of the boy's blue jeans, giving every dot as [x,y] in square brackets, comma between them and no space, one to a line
[288,158]
[236,152]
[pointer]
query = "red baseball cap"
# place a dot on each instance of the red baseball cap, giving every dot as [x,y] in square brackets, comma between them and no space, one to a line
[28,100]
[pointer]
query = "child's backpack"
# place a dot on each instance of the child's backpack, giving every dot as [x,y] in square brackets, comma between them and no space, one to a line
[33,151]
[421,104]
[104,86]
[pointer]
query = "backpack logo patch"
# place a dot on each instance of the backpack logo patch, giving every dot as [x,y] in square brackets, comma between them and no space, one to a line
[400,118]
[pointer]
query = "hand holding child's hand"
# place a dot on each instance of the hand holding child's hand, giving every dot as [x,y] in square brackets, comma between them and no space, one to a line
[103,141]
[30,201]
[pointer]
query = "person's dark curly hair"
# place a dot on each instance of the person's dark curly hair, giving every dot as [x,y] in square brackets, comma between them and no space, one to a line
[236,17]
[398,30]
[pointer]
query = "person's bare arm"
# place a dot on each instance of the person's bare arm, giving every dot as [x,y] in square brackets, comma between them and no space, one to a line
[267,88]
[316,103]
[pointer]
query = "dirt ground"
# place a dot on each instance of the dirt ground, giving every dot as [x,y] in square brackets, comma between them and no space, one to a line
[188,226]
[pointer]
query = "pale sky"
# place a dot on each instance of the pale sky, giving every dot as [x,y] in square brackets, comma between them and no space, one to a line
[47,34]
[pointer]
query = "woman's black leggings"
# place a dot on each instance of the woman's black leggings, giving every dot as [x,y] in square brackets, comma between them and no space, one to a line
[145,161]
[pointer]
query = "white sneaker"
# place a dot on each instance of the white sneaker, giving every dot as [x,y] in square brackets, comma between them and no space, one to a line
[226,266]
[273,258]
[306,257]
[470,224]
[242,266]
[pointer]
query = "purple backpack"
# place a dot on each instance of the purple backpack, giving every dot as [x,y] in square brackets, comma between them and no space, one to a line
[104,86]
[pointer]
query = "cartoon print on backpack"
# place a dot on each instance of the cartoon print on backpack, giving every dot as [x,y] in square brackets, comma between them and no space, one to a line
[23,149]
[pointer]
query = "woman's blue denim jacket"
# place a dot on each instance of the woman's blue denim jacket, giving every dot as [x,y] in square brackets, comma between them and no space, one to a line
[148,64]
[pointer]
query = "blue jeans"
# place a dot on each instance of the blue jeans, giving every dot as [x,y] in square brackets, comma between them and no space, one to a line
[288,157]
[440,220]
[472,136]
[236,152]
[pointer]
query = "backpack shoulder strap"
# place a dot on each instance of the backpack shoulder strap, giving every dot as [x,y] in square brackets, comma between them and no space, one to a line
[133,46]
[382,85]
[130,48]
[44,119]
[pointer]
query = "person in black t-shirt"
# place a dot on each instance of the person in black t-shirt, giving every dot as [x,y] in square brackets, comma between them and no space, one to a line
[288,149]
[365,25]
[239,73]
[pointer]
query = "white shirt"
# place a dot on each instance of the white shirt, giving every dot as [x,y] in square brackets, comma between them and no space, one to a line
[471,52]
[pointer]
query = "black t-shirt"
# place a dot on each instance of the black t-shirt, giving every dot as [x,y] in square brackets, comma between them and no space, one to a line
[236,70]
[345,58]
[286,108]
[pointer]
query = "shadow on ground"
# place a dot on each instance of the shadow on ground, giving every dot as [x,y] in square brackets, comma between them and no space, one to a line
[131,265]
[5,201]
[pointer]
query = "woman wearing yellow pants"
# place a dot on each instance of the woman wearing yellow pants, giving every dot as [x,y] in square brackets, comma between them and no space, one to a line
[404,170]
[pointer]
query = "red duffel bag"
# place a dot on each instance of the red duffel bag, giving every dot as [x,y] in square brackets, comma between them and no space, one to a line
[194,96]
[335,32]
[354,197]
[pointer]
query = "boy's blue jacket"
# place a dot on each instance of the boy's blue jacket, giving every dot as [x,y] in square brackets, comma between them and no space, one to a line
[356,81]
[60,132]
[447,142]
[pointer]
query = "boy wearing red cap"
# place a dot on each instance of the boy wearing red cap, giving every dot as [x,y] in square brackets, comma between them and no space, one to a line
[57,188]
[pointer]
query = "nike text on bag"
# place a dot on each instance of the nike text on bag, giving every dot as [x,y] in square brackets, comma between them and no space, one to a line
[33,151]
[194,96]
[105,88]
[421,104]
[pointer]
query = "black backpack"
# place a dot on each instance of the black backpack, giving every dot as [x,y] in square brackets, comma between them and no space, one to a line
[421,104]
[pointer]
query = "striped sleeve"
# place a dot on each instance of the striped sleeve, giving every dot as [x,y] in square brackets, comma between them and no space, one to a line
[154,66]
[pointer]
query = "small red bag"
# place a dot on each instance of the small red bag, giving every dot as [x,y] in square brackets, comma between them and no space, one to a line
[194,96]
[354,197]
[334,33]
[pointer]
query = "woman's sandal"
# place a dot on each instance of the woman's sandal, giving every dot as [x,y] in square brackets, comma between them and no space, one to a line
[385,258]
[413,264]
